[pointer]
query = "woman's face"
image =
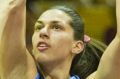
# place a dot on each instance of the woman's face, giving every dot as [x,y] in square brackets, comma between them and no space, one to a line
[53,37]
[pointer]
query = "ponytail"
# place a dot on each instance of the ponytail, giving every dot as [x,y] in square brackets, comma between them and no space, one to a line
[87,62]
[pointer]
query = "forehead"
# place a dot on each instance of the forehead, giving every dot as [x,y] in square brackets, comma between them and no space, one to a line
[55,15]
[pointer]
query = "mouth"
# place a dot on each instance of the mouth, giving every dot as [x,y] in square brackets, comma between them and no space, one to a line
[42,46]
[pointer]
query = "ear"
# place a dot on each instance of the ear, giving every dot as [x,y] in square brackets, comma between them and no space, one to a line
[77,47]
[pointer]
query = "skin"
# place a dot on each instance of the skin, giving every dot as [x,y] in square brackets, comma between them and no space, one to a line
[22,61]
[13,50]
[53,27]
[110,63]
[55,34]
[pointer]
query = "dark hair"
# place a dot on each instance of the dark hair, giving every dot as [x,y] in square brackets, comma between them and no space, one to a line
[86,62]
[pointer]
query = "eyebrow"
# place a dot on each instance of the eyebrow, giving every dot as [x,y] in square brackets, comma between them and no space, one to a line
[40,22]
[51,22]
[55,22]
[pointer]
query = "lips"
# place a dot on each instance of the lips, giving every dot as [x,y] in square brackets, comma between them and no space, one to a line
[42,46]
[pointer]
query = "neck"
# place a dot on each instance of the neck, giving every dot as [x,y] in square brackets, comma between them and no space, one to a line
[57,70]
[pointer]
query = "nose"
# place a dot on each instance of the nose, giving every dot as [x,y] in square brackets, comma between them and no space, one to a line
[44,33]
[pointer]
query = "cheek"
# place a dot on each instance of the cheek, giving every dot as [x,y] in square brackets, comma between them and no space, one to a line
[62,42]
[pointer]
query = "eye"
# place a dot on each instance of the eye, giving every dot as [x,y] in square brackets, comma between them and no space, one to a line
[56,27]
[38,26]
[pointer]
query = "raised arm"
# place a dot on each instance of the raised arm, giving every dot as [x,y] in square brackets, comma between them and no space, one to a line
[109,67]
[12,39]
[15,61]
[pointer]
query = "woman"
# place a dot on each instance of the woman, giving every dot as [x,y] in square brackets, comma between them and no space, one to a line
[55,29]
[55,45]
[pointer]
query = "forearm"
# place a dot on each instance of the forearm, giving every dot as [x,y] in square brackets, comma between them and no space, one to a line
[118,17]
[4,13]
[14,27]
[11,15]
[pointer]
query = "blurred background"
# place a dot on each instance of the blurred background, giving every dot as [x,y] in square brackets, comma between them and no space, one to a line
[98,15]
